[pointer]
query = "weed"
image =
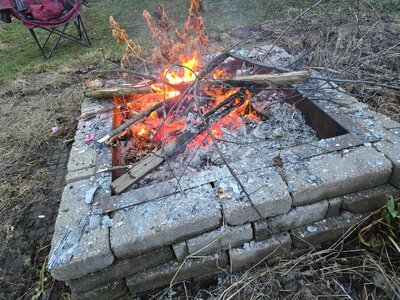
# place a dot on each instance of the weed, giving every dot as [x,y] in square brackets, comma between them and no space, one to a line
[385,230]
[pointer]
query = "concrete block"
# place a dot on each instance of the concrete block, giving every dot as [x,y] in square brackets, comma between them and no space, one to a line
[268,193]
[80,175]
[261,230]
[81,159]
[323,231]
[223,238]
[368,200]
[77,250]
[334,205]
[358,169]
[181,251]
[160,223]
[110,291]
[299,216]
[91,105]
[255,252]
[392,152]
[120,269]
[163,275]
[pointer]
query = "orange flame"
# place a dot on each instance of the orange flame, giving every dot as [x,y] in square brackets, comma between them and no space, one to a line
[189,65]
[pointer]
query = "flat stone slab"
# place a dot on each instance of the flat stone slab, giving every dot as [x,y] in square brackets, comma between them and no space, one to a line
[267,191]
[155,224]
[79,246]
[164,274]
[120,269]
[298,216]
[368,200]
[259,252]
[352,170]
[223,238]
[323,231]
[392,152]
[110,291]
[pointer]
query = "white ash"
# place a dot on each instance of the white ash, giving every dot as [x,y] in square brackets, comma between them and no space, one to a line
[284,128]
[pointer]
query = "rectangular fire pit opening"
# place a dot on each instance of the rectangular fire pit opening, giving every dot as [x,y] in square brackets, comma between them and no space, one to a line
[325,126]
[302,197]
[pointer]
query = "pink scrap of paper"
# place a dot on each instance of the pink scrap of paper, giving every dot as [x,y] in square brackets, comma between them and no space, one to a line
[54,129]
[89,137]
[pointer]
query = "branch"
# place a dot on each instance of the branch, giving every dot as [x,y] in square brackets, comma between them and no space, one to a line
[107,139]
[393,87]
[118,91]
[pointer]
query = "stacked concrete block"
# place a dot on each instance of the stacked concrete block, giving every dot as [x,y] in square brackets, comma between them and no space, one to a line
[312,199]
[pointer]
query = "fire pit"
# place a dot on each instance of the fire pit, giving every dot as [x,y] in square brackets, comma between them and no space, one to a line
[248,179]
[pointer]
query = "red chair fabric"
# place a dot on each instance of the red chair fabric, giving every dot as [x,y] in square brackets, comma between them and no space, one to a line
[46,13]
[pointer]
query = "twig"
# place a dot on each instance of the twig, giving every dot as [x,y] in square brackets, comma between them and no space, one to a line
[327,79]
[257,62]
[123,127]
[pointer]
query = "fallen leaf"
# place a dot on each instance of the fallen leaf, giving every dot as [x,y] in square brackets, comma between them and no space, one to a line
[221,194]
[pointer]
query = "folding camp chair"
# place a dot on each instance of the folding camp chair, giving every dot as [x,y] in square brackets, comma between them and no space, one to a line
[58,27]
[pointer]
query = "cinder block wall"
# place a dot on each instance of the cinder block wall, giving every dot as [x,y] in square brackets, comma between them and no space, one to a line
[293,208]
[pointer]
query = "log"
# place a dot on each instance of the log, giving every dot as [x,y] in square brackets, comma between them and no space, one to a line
[283,79]
[118,91]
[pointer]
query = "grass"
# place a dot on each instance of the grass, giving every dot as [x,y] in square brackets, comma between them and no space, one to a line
[19,55]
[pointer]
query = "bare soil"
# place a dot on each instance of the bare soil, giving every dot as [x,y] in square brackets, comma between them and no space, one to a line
[32,171]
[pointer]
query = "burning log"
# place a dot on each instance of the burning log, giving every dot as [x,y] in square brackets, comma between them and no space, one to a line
[119,91]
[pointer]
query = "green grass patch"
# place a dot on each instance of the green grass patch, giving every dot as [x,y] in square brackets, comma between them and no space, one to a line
[19,55]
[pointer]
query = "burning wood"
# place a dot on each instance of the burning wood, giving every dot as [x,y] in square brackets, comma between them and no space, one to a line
[154,160]
[118,91]
[186,102]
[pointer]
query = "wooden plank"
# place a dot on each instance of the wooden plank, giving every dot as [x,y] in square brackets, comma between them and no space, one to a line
[150,162]
[137,196]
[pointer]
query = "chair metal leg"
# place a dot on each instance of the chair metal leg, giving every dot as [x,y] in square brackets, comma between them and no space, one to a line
[82,37]
[37,43]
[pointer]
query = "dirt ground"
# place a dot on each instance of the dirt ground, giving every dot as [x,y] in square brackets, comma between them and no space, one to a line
[38,119]
[33,167]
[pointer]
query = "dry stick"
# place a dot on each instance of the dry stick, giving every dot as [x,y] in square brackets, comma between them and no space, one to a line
[327,79]
[258,63]
[289,26]
[283,79]
[130,122]
[135,74]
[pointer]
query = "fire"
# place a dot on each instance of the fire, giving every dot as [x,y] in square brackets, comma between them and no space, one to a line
[189,65]
[162,126]
[142,132]
[189,74]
